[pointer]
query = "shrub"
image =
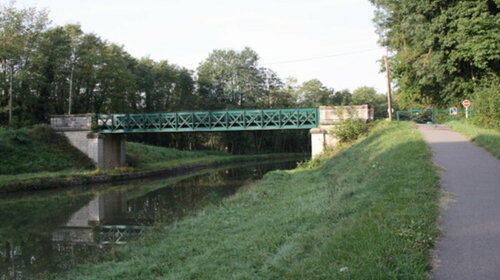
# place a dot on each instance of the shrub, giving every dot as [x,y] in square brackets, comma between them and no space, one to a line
[350,129]
[486,105]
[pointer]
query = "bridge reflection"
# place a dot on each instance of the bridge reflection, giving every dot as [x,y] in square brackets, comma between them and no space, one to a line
[98,222]
[57,231]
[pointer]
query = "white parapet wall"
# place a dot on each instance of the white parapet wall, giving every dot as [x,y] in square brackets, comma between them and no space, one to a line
[106,150]
[329,116]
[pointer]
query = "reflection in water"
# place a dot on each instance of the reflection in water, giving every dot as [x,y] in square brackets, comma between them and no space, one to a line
[104,208]
[53,233]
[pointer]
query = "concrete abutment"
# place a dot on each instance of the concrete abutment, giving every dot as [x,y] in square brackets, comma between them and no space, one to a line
[329,117]
[107,151]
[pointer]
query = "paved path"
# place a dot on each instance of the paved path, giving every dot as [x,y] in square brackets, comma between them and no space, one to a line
[470,245]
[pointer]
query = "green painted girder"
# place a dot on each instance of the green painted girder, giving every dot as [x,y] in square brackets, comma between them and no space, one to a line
[118,234]
[227,120]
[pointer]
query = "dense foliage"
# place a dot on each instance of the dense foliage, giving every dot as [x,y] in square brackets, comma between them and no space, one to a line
[46,70]
[444,51]
[350,129]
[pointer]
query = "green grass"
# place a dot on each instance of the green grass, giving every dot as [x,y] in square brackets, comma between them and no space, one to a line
[49,180]
[141,155]
[369,212]
[38,149]
[488,138]
[39,158]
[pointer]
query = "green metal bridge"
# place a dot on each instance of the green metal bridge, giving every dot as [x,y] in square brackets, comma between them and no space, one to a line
[227,120]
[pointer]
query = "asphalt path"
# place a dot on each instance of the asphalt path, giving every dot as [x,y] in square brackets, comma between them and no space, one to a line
[470,245]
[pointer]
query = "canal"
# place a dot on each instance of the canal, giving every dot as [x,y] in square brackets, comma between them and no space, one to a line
[53,231]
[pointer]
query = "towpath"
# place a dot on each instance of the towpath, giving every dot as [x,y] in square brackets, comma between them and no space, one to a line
[470,245]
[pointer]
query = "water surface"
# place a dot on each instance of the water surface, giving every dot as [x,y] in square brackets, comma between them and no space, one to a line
[53,231]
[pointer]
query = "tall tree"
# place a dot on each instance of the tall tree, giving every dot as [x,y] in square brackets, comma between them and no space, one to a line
[230,78]
[47,73]
[342,97]
[19,34]
[368,95]
[443,50]
[89,94]
[75,33]
[313,93]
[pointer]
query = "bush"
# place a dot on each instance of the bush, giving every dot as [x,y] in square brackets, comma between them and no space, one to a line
[486,105]
[350,129]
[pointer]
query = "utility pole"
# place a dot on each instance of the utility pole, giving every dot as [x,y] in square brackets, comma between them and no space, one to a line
[389,92]
[70,90]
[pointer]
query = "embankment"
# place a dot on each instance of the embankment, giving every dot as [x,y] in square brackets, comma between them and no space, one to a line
[368,212]
[38,159]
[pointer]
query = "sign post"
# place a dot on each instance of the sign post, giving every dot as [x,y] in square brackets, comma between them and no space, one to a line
[466,103]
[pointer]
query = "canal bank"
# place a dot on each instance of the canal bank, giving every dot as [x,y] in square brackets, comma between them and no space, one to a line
[53,180]
[38,158]
[53,231]
[368,212]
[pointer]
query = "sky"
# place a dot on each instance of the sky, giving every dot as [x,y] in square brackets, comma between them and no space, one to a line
[330,40]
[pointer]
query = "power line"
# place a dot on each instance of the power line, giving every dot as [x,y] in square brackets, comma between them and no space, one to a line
[324,56]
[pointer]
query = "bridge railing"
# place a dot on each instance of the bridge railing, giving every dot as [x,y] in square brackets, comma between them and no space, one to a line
[118,234]
[299,118]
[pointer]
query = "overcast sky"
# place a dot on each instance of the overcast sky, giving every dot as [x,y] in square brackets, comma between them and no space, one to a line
[284,33]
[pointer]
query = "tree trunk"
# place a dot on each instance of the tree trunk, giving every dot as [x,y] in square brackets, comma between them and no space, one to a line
[10,93]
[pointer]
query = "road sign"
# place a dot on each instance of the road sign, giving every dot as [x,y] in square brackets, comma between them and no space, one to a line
[453,111]
[466,104]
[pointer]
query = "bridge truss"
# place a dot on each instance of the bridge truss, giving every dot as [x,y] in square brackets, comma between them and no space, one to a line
[227,120]
[118,234]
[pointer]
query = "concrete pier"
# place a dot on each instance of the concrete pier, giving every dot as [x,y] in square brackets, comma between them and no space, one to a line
[106,150]
[329,117]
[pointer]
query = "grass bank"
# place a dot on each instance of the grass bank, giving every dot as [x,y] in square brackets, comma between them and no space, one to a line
[144,156]
[38,149]
[369,212]
[38,158]
[51,180]
[488,138]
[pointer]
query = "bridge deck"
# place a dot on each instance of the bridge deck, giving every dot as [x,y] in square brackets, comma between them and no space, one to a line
[228,120]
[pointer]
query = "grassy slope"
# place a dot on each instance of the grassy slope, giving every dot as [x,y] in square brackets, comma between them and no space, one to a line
[55,162]
[488,138]
[143,156]
[38,149]
[368,213]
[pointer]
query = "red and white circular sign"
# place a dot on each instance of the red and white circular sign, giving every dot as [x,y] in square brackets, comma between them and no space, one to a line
[466,103]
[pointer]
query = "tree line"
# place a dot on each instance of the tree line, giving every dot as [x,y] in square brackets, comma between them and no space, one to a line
[445,51]
[47,70]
